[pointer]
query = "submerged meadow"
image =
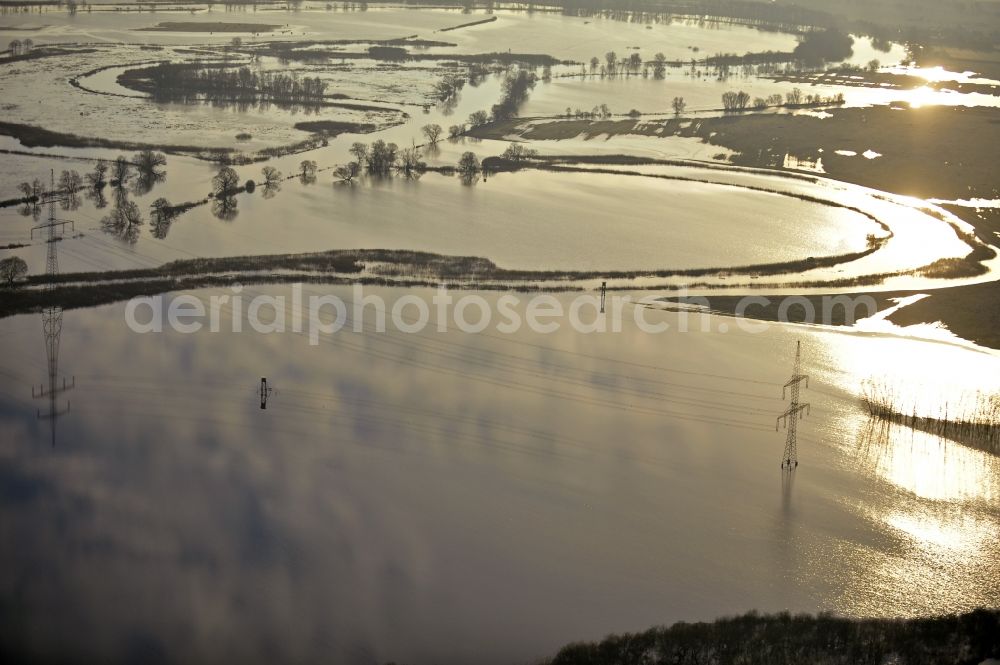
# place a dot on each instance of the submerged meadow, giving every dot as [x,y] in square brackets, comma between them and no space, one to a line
[427,495]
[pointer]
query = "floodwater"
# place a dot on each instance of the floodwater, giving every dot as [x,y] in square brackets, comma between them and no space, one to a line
[448,498]
[526,220]
[564,37]
[443,497]
[405,87]
[531,220]
[703,94]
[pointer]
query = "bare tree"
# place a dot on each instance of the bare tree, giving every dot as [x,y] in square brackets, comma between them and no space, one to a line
[32,190]
[478,118]
[121,169]
[432,132]
[225,181]
[70,182]
[409,163]
[307,171]
[272,176]
[611,58]
[130,213]
[516,152]
[659,66]
[123,221]
[360,152]
[162,216]
[447,88]
[224,208]
[468,167]
[735,101]
[679,105]
[382,157]
[12,268]
[148,163]
[346,172]
[161,207]
[96,179]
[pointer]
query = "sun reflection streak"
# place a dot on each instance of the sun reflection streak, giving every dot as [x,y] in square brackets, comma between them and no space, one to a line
[946,552]
[922,96]
[925,376]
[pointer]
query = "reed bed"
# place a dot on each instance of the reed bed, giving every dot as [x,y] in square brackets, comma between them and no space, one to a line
[974,421]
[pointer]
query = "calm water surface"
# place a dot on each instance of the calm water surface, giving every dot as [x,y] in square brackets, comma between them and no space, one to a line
[447,497]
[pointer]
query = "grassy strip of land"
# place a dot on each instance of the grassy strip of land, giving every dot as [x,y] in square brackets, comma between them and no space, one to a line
[430,265]
[45,52]
[970,312]
[331,128]
[786,639]
[216,26]
[883,80]
[31,137]
[469,24]
[37,137]
[407,267]
[75,81]
[6,203]
[296,51]
[77,296]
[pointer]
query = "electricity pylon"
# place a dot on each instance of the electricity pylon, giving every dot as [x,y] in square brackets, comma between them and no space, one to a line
[790,459]
[265,392]
[52,320]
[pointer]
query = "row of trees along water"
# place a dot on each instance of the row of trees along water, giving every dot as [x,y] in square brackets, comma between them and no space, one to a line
[124,176]
[20,47]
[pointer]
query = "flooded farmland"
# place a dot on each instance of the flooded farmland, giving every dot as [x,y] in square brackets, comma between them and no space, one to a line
[406,333]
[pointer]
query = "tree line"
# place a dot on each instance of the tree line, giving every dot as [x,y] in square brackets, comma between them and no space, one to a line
[784,639]
[227,83]
[736,102]
[19,47]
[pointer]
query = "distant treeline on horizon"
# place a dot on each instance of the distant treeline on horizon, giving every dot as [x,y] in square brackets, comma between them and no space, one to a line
[786,639]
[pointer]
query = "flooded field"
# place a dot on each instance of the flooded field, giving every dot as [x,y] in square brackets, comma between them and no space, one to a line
[403,492]
[522,220]
[298,484]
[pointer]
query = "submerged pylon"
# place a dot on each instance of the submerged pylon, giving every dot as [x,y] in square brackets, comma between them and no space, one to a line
[52,317]
[790,418]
